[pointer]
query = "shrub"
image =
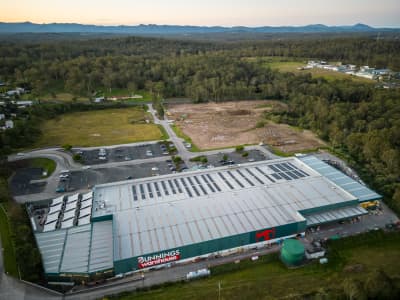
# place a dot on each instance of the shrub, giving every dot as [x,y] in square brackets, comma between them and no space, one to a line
[239,148]
[260,124]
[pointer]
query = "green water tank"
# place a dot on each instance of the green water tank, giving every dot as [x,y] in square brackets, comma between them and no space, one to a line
[292,252]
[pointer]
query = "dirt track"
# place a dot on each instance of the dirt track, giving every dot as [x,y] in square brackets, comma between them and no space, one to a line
[215,125]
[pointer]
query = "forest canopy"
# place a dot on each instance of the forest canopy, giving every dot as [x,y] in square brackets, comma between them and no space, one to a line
[358,119]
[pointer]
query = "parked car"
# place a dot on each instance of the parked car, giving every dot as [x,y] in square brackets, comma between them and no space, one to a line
[60,190]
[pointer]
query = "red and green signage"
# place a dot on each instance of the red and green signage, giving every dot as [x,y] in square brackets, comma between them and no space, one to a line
[158,259]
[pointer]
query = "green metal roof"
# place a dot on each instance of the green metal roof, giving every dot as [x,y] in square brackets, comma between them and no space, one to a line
[361,192]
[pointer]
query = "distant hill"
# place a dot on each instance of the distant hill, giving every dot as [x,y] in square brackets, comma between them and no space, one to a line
[151,29]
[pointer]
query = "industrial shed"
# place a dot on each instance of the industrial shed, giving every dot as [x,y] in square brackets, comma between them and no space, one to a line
[172,218]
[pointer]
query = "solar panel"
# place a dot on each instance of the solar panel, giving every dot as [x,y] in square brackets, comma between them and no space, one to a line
[200,185]
[193,186]
[285,176]
[226,181]
[186,188]
[241,174]
[291,174]
[262,172]
[298,173]
[164,188]
[157,189]
[234,178]
[252,174]
[150,190]
[280,167]
[213,182]
[297,169]
[178,186]
[172,187]
[288,166]
[135,197]
[276,176]
[273,168]
[143,195]
[208,183]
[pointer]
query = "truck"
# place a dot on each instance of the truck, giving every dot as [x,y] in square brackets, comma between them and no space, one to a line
[198,274]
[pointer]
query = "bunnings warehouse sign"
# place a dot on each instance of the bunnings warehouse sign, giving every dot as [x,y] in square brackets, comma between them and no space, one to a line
[158,259]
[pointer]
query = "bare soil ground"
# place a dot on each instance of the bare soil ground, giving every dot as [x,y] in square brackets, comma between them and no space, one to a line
[217,125]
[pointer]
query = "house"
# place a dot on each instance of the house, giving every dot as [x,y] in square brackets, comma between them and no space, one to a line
[9,124]
[99,99]
[23,104]
[18,91]
[2,116]
[365,74]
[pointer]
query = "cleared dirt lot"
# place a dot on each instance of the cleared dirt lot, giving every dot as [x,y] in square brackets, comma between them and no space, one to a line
[216,125]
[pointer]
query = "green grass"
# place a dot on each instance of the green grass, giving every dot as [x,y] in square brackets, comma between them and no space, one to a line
[164,133]
[10,262]
[46,164]
[278,152]
[267,278]
[99,128]
[291,64]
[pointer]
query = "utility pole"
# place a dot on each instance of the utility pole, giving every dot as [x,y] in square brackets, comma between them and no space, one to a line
[219,290]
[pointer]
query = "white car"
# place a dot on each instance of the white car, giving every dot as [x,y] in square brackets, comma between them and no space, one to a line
[102,157]
[154,169]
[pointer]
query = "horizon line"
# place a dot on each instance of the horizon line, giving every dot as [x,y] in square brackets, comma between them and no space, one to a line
[186,25]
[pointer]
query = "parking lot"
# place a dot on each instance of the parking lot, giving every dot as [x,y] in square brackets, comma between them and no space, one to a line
[88,178]
[127,153]
[21,184]
[217,160]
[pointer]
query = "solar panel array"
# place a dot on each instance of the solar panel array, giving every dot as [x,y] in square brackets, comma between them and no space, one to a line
[361,192]
[206,184]
[68,211]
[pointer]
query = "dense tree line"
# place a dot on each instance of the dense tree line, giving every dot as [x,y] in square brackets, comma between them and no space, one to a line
[197,69]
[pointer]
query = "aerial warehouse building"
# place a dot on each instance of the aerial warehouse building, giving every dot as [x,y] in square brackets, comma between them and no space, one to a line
[147,222]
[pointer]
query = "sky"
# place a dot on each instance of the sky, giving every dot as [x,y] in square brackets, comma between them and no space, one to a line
[382,13]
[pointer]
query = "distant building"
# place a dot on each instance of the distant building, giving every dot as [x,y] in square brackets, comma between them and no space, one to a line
[9,124]
[99,99]
[365,74]
[2,116]
[18,91]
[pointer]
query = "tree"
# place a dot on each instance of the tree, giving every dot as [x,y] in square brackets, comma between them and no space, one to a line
[353,289]
[379,286]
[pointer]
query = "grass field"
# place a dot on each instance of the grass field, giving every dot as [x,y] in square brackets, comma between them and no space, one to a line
[99,128]
[289,64]
[10,262]
[267,278]
[46,164]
